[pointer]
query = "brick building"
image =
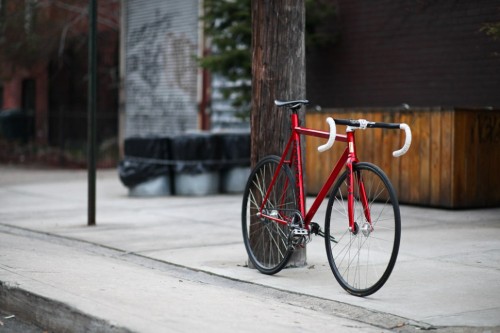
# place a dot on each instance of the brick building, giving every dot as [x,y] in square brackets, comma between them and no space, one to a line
[47,74]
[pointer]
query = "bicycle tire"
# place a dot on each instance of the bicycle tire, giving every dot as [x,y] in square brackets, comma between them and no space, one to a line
[267,242]
[363,260]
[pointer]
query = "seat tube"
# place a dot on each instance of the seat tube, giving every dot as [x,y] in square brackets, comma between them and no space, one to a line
[298,163]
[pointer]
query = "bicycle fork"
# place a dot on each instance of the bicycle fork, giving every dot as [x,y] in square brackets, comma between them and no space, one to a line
[355,179]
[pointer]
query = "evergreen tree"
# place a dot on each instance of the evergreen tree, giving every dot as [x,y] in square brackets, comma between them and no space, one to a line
[228,29]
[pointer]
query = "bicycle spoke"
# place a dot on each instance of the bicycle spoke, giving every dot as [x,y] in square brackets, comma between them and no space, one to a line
[266,240]
[362,261]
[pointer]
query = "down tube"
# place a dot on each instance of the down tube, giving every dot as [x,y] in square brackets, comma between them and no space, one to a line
[326,187]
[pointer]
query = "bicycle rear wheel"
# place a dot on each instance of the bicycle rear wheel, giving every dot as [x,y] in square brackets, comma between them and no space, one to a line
[267,242]
[363,259]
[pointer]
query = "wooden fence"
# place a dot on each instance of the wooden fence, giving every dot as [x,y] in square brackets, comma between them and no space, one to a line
[453,162]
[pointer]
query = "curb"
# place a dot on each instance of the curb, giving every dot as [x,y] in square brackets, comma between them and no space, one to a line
[56,316]
[50,314]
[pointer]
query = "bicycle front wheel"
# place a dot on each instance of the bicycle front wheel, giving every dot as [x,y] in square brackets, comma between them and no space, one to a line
[268,242]
[363,258]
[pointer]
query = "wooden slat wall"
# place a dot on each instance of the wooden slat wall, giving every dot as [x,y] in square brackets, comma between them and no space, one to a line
[453,161]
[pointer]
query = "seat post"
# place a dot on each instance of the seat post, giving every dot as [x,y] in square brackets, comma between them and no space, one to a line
[295,119]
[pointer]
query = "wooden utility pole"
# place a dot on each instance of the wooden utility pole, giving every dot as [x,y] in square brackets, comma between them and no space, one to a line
[278,72]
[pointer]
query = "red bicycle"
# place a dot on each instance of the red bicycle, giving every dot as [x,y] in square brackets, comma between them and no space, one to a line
[362,225]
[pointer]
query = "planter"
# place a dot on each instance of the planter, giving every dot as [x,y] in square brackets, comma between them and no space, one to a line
[452,163]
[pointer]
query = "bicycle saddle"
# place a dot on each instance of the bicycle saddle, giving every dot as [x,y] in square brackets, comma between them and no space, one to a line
[291,104]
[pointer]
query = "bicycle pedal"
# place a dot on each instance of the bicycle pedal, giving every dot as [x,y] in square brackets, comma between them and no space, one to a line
[300,232]
[315,228]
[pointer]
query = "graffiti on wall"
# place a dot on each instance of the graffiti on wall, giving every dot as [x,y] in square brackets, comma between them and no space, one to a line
[160,78]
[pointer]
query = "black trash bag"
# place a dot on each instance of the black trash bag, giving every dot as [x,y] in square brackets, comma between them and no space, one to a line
[16,124]
[235,149]
[151,148]
[196,153]
[133,173]
[145,158]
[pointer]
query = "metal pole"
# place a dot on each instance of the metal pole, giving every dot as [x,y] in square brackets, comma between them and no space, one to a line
[91,127]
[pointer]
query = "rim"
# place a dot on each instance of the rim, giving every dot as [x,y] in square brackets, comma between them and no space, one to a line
[363,259]
[268,241]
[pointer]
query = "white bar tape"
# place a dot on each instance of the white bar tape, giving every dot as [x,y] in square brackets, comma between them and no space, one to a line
[407,144]
[331,138]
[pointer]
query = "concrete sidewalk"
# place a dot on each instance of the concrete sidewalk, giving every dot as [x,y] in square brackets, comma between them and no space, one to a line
[157,264]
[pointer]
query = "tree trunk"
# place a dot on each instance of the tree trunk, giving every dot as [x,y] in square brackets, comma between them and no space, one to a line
[278,72]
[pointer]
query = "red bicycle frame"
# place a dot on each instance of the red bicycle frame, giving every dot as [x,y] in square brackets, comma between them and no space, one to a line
[293,148]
